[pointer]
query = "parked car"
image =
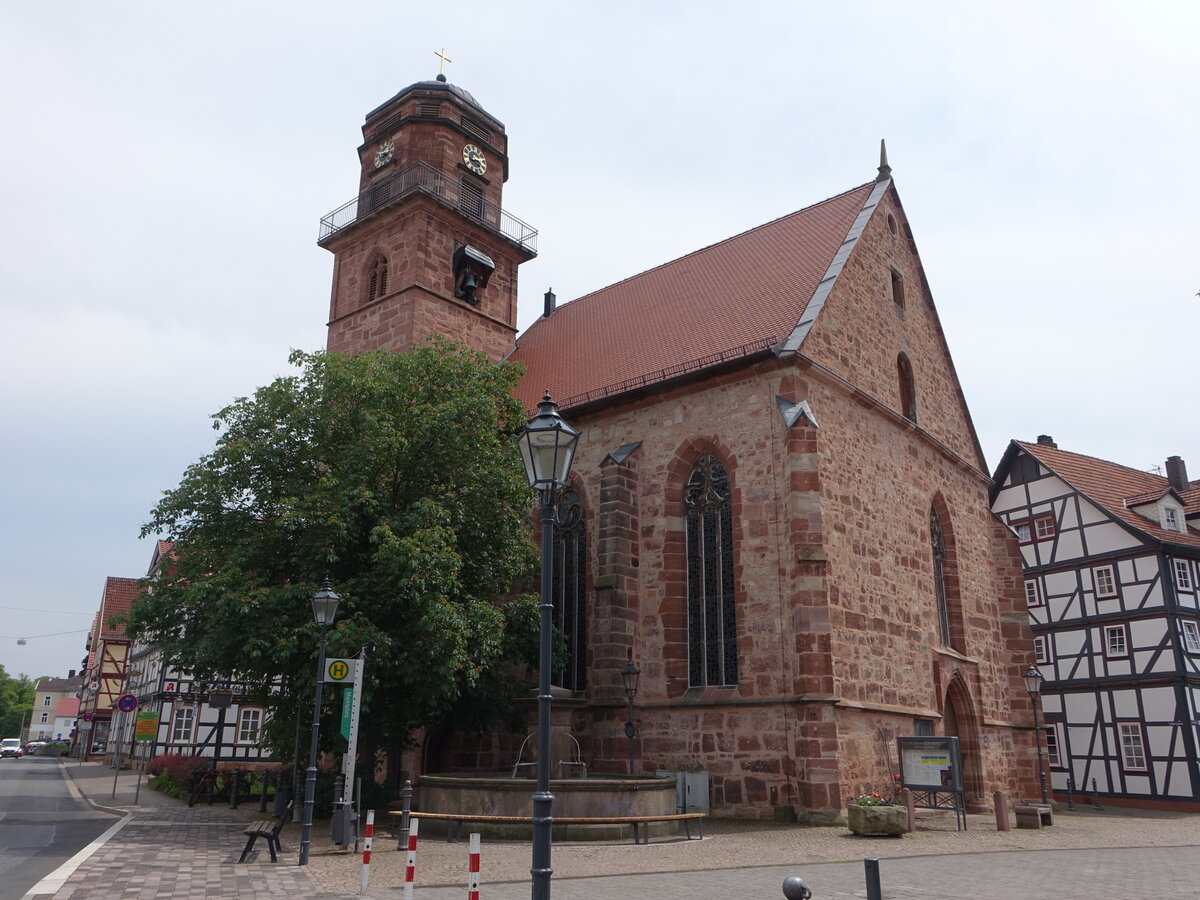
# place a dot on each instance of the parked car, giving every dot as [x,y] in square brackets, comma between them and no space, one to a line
[10,747]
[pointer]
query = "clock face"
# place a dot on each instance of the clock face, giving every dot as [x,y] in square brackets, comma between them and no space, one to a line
[473,159]
[384,154]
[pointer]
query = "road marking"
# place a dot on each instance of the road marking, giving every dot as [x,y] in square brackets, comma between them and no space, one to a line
[52,883]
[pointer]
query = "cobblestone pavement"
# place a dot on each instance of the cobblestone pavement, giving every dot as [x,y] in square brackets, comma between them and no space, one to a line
[166,850]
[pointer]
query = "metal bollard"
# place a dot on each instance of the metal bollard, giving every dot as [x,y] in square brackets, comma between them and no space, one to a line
[265,780]
[1070,793]
[235,787]
[795,889]
[874,892]
[406,799]
[1095,796]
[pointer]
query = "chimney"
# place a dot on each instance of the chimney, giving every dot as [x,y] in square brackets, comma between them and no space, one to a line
[549,304]
[71,673]
[1177,473]
[1046,441]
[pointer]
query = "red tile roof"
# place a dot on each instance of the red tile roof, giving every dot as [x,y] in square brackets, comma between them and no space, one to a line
[739,296]
[119,595]
[1111,486]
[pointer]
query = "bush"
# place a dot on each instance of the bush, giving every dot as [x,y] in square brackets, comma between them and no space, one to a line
[184,771]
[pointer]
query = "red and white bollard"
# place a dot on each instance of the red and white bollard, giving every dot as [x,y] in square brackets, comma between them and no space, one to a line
[366,869]
[411,866]
[473,869]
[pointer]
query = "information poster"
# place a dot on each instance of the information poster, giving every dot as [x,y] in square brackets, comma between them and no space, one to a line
[930,763]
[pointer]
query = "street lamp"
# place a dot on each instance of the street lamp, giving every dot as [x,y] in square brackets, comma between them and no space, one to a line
[547,446]
[1033,684]
[629,675]
[324,607]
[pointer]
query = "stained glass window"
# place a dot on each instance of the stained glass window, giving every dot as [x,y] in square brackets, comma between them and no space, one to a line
[712,622]
[570,590]
[939,576]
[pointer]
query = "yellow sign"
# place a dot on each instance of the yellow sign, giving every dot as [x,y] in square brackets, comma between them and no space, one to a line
[146,726]
[340,671]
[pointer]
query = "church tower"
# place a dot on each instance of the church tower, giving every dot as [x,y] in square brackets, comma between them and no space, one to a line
[425,247]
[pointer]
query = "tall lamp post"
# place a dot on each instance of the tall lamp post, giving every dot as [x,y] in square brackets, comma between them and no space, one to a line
[547,446]
[324,607]
[629,675]
[1033,684]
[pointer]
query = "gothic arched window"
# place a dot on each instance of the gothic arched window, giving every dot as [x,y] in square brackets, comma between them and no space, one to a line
[908,390]
[377,278]
[938,542]
[570,590]
[712,625]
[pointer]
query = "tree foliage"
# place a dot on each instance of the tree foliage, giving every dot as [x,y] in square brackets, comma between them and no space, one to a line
[394,475]
[16,700]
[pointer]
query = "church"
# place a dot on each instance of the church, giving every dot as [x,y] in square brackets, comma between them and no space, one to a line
[779,509]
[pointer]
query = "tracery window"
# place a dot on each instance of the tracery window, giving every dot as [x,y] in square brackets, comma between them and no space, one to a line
[939,576]
[712,623]
[570,590]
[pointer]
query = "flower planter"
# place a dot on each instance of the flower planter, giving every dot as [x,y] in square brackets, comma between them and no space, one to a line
[877,820]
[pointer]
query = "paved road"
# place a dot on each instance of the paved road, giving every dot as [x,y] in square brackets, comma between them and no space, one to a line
[41,824]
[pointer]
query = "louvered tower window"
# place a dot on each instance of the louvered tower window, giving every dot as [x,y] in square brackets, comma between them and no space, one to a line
[377,278]
[939,577]
[712,623]
[570,590]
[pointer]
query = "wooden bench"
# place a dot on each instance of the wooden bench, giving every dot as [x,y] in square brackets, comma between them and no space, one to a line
[640,824]
[269,829]
[1033,816]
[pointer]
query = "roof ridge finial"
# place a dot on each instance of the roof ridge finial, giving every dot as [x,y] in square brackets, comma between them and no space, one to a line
[885,171]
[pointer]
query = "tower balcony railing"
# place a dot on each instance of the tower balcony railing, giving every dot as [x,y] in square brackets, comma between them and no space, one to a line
[423,178]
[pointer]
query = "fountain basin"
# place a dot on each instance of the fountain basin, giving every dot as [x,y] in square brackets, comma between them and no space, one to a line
[597,796]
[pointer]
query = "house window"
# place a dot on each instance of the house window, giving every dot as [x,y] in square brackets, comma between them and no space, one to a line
[1183,575]
[1133,747]
[939,577]
[1024,469]
[897,287]
[377,278]
[712,625]
[908,390]
[46,700]
[570,590]
[45,718]
[249,725]
[1053,755]
[1104,581]
[1022,531]
[1116,641]
[1171,518]
[922,728]
[182,724]
[1043,527]
[1191,636]
[1041,649]
[1033,593]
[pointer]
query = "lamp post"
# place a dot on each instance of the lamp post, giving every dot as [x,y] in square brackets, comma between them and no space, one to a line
[629,675]
[324,607]
[1033,684]
[547,446]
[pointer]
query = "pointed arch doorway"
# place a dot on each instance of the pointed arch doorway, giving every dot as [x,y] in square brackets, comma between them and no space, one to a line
[960,720]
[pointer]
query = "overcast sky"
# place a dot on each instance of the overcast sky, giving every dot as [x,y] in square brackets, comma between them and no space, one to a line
[165,166]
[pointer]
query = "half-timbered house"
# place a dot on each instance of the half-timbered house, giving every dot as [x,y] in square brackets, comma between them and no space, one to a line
[106,664]
[1111,558]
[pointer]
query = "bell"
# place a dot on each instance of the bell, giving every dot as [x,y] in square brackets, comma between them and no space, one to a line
[467,289]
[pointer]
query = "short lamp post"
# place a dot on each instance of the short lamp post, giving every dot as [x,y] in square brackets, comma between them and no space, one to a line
[547,446]
[629,676]
[324,607]
[1033,684]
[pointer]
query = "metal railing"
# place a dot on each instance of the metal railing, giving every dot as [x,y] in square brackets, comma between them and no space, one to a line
[423,178]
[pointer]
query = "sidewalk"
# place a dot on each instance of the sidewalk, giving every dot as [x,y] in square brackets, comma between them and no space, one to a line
[166,850]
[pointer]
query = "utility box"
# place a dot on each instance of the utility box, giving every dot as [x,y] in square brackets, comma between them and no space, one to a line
[691,790]
[343,825]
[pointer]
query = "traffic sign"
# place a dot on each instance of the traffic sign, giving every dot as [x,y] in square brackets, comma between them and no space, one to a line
[87,716]
[127,703]
[340,671]
[85,725]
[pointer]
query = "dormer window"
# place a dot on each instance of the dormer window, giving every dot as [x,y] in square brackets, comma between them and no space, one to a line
[1170,519]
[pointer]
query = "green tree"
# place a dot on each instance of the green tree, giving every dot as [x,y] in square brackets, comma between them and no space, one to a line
[16,700]
[396,476]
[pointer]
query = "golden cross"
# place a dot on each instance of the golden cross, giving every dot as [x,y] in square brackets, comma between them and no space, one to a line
[444,59]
